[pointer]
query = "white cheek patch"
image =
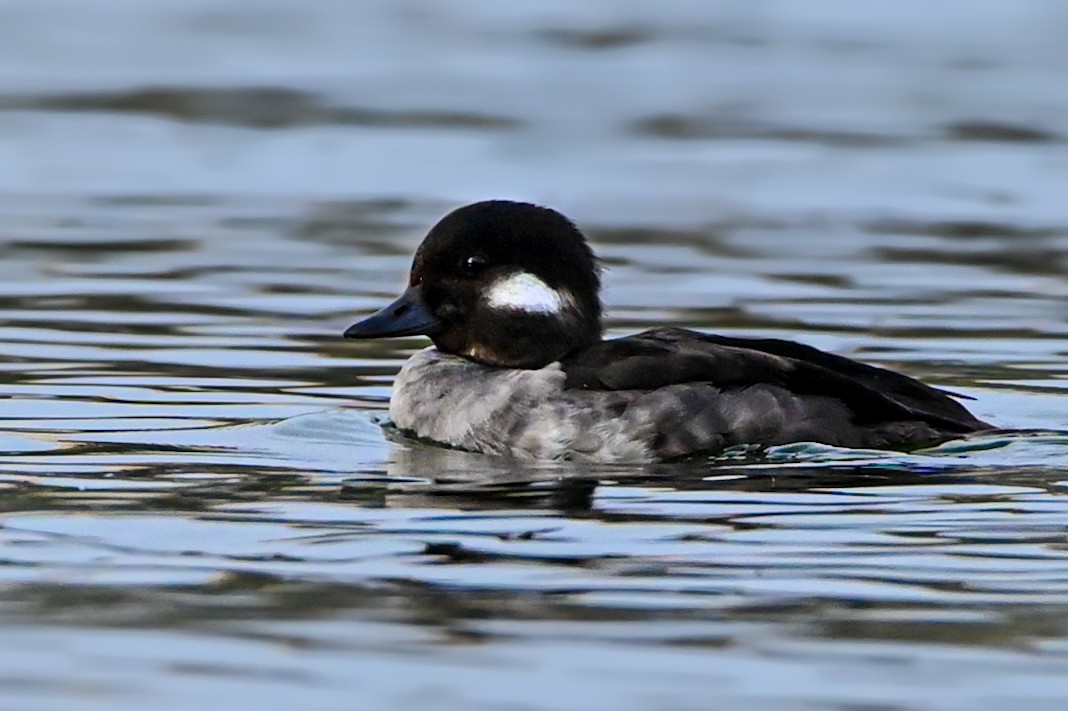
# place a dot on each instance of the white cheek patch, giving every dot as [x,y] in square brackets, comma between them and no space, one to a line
[524,292]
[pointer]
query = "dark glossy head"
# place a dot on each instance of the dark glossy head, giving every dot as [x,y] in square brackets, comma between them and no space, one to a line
[502,283]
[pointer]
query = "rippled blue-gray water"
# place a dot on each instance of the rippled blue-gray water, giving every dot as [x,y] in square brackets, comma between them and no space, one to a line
[200,509]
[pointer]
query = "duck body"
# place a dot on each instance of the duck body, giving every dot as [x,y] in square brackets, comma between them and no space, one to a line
[519,368]
[675,393]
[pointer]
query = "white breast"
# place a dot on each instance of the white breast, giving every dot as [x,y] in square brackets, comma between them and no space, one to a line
[524,414]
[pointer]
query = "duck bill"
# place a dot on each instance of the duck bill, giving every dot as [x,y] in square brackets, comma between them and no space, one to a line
[407,316]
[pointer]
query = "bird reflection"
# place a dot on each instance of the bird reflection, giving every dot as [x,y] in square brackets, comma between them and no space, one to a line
[418,475]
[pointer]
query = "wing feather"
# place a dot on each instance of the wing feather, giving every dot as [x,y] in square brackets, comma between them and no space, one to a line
[671,356]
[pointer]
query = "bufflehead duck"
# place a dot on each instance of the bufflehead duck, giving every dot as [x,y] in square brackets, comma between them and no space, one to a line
[509,294]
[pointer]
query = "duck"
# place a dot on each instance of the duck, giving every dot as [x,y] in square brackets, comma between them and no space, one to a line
[509,294]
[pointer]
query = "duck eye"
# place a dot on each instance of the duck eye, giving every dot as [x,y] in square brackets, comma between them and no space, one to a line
[474,264]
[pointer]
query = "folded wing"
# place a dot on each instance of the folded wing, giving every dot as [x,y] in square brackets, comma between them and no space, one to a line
[673,356]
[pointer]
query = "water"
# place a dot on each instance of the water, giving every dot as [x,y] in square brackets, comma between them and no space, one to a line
[201,510]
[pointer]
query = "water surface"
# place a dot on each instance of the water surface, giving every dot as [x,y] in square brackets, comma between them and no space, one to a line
[200,508]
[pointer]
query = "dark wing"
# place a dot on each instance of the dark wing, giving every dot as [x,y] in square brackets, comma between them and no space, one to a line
[670,356]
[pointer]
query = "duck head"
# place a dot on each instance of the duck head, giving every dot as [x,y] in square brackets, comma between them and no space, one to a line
[501,283]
